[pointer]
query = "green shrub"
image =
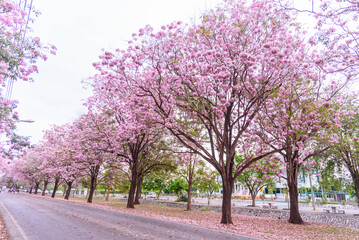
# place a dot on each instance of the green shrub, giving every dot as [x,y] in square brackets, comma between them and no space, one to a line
[324,201]
[204,209]
[182,199]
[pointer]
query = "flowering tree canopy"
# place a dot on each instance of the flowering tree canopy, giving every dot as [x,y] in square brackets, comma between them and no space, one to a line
[336,24]
[19,51]
[260,174]
[344,141]
[207,83]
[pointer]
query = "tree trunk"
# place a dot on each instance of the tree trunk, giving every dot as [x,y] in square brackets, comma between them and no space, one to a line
[65,190]
[36,187]
[30,191]
[94,174]
[356,187]
[323,194]
[311,190]
[107,195]
[92,188]
[68,191]
[189,199]
[252,192]
[131,194]
[138,190]
[57,180]
[294,215]
[158,194]
[45,186]
[227,198]
[253,195]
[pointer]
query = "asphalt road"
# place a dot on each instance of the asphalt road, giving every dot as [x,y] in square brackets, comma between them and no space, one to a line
[35,218]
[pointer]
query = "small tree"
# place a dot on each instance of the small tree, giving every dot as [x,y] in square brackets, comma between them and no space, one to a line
[187,170]
[344,142]
[262,173]
[158,180]
[177,186]
[207,181]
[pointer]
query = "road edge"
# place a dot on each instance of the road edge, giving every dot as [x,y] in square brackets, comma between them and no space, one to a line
[13,230]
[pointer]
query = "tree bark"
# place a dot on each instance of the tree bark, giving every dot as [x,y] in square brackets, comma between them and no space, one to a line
[356,187]
[36,187]
[30,191]
[45,186]
[68,191]
[138,190]
[158,194]
[131,194]
[94,173]
[189,199]
[57,180]
[227,198]
[65,190]
[107,195]
[92,188]
[294,215]
[253,195]
[311,190]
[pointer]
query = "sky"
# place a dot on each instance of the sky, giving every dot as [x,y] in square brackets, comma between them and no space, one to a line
[80,29]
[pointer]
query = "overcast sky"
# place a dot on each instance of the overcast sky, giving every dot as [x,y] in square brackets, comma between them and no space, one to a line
[80,29]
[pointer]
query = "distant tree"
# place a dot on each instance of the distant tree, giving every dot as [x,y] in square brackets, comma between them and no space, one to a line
[177,186]
[344,141]
[206,180]
[189,164]
[263,173]
[158,179]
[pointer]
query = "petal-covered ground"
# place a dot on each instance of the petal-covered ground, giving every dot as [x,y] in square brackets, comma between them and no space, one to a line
[3,234]
[267,228]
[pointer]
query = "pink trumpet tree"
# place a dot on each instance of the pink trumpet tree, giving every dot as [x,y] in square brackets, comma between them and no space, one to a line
[293,122]
[27,168]
[50,164]
[19,50]
[260,174]
[87,132]
[69,160]
[130,133]
[336,30]
[207,83]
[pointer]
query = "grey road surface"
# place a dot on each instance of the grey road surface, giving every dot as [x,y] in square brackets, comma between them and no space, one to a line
[36,218]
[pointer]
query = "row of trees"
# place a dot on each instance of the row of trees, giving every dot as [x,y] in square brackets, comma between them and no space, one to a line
[242,89]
